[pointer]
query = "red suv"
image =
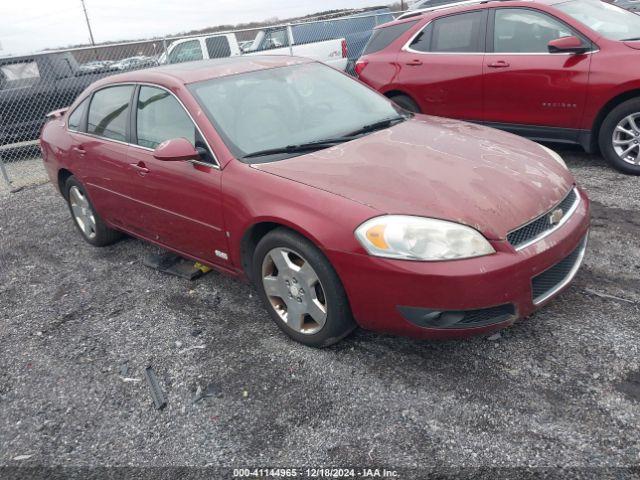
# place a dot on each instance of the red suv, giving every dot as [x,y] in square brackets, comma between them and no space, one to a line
[553,70]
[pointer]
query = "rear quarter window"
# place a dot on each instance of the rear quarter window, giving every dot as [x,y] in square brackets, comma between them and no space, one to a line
[75,119]
[385,36]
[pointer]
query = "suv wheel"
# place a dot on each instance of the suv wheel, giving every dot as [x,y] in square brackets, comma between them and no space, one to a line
[619,137]
[301,290]
[88,222]
[405,102]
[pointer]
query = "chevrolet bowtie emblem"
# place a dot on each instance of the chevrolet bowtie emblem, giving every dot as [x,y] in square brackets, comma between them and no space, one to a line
[556,216]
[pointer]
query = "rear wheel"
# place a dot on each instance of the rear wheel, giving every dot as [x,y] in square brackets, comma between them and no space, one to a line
[88,222]
[405,102]
[619,137]
[300,289]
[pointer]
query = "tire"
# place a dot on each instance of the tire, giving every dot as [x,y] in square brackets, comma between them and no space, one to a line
[87,221]
[405,102]
[619,116]
[298,292]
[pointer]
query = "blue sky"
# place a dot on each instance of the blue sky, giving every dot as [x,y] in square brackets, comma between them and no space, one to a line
[32,25]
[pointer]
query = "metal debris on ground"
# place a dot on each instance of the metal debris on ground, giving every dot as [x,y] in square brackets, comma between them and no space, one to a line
[195,347]
[606,295]
[23,457]
[172,264]
[212,390]
[156,393]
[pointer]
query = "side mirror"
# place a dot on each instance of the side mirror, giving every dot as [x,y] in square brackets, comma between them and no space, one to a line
[567,45]
[175,150]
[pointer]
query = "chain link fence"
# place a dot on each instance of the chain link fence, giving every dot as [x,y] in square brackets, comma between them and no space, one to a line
[33,85]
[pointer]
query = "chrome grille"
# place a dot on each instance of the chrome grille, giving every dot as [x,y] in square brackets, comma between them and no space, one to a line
[535,229]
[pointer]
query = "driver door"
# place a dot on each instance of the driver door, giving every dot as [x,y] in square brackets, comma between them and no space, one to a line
[524,84]
[180,201]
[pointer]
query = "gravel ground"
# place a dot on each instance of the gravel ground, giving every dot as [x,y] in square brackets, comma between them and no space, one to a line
[79,325]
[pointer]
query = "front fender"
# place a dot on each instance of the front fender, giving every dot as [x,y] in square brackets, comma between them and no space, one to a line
[252,196]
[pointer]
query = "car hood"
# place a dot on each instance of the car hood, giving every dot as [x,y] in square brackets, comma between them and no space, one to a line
[434,167]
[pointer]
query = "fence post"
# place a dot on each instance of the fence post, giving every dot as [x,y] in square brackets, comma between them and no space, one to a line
[5,175]
[290,35]
[164,48]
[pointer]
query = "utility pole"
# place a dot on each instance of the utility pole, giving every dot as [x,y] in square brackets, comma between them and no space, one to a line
[86,16]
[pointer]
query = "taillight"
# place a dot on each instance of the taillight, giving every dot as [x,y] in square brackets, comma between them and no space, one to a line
[344,48]
[360,66]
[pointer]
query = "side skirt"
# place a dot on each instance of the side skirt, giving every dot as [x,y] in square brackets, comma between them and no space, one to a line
[572,136]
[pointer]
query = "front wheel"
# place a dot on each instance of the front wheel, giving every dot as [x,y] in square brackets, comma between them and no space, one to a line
[301,290]
[619,137]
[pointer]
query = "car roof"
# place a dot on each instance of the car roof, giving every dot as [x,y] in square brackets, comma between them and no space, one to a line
[463,5]
[191,72]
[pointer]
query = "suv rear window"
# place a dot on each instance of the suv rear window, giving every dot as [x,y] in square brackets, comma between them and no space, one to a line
[385,36]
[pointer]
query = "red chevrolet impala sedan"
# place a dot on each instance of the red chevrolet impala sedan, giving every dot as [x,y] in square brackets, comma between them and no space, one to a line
[342,208]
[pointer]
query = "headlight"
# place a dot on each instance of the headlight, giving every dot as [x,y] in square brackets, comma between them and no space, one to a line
[418,238]
[555,156]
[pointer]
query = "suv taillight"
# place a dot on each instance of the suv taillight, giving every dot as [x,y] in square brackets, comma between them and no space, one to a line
[360,66]
[344,48]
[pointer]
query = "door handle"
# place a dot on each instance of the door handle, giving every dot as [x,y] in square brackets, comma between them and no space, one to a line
[140,168]
[79,150]
[498,64]
[414,63]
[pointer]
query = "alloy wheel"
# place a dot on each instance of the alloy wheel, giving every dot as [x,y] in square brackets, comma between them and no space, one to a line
[82,212]
[294,290]
[626,139]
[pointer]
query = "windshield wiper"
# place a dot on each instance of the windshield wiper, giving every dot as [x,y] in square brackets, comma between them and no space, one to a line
[382,124]
[634,39]
[329,142]
[303,147]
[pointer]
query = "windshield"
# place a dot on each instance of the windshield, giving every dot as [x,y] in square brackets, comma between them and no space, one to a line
[290,106]
[608,20]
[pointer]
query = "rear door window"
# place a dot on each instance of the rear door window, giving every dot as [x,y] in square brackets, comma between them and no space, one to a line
[385,36]
[218,47]
[109,112]
[461,33]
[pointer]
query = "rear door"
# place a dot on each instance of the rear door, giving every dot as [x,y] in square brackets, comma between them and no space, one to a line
[524,83]
[178,202]
[441,66]
[101,155]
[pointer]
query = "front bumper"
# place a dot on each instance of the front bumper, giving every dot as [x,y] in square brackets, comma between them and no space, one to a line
[381,290]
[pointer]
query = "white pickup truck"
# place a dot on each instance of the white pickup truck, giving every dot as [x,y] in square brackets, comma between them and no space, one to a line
[271,41]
